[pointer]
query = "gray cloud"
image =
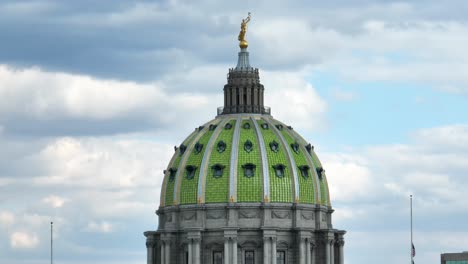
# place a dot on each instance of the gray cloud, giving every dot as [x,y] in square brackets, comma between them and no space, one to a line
[146,40]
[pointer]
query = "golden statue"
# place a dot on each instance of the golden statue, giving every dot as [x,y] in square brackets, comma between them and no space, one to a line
[243,43]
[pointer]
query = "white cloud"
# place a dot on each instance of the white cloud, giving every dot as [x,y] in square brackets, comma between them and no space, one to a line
[349,176]
[294,100]
[452,137]
[6,218]
[101,162]
[24,240]
[99,227]
[32,96]
[54,201]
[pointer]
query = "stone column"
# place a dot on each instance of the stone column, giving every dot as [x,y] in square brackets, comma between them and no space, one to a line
[234,251]
[261,96]
[163,252]
[266,250]
[196,250]
[249,99]
[308,251]
[190,252]
[332,252]
[341,246]
[302,251]
[234,99]
[314,251]
[226,250]
[167,252]
[255,99]
[327,252]
[273,250]
[150,251]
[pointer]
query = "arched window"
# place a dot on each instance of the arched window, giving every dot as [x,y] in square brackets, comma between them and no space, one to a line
[295,147]
[221,146]
[248,146]
[304,171]
[217,170]
[249,170]
[279,170]
[172,174]
[274,146]
[249,257]
[190,171]
[320,170]
[198,147]
[182,149]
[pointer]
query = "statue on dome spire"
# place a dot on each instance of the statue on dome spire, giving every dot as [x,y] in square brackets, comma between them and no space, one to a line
[243,43]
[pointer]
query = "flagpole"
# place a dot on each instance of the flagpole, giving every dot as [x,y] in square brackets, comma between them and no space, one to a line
[51,243]
[411,216]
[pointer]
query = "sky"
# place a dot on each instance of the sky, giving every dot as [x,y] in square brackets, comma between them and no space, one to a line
[95,94]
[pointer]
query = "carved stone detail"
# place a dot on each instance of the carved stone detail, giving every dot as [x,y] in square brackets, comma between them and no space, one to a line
[189,216]
[307,215]
[281,214]
[218,214]
[248,214]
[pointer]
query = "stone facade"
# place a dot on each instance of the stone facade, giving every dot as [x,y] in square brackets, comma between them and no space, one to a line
[194,234]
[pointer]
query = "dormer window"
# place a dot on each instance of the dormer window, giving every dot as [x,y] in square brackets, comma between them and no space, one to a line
[190,171]
[172,174]
[320,170]
[248,146]
[304,171]
[198,147]
[265,126]
[309,148]
[212,127]
[228,126]
[182,149]
[221,146]
[274,146]
[200,128]
[279,127]
[249,170]
[217,170]
[290,128]
[279,170]
[246,125]
[295,147]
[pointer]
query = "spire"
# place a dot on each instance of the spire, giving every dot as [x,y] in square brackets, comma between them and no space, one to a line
[243,61]
[243,92]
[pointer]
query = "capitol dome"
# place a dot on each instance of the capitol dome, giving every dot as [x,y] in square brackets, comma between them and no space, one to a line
[244,188]
[245,158]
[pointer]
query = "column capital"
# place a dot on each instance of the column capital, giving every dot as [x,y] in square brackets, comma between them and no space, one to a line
[327,241]
[166,241]
[313,243]
[150,244]
[230,238]
[340,242]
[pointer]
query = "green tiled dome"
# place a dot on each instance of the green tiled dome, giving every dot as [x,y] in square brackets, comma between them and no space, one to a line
[245,158]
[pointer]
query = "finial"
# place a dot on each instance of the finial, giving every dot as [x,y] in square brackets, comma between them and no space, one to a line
[243,43]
